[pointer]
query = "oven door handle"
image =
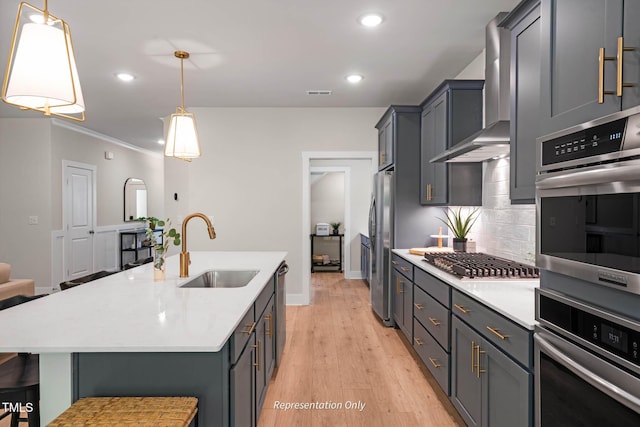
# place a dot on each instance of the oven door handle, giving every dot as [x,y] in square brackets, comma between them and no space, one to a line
[590,176]
[589,377]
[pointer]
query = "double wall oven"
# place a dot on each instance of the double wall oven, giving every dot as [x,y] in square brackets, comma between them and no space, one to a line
[587,355]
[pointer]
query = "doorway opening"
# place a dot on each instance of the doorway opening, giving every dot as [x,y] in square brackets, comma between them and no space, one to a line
[361,166]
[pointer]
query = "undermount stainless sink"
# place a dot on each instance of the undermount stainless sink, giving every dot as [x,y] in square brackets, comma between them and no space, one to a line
[221,279]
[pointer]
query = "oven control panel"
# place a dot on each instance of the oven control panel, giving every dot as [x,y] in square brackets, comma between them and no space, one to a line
[598,140]
[615,335]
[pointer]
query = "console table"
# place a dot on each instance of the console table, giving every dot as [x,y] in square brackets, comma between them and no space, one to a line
[332,237]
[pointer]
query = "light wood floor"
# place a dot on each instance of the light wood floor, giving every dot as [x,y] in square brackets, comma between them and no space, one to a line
[337,351]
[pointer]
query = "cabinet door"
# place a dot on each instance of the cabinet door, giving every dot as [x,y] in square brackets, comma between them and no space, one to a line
[507,389]
[397,281]
[434,139]
[242,378]
[269,341]
[466,386]
[385,144]
[525,106]
[572,33]
[407,307]
[260,368]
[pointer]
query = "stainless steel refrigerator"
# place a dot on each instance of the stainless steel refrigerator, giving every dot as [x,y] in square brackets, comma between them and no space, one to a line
[380,236]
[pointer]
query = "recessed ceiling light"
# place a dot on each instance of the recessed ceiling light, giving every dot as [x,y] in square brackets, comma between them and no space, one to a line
[125,77]
[161,141]
[371,20]
[354,78]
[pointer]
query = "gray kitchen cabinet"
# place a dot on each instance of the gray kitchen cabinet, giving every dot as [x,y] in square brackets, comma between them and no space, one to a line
[524,25]
[491,366]
[396,131]
[450,113]
[402,300]
[579,84]
[265,355]
[365,256]
[242,380]
[487,387]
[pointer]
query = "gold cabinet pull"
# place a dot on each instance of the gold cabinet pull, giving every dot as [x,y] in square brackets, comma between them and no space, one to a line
[429,192]
[619,83]
[473,352]
[478,353]
[496,332]
[251,327]
[434,321]
[399,286]
[461,308]
[404,268]
[435,363]
[395,262]
[418,341]
[419,306]
[257,364]
[269,318]
[601,59]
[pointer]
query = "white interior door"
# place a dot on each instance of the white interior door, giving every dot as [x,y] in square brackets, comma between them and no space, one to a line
[79,217]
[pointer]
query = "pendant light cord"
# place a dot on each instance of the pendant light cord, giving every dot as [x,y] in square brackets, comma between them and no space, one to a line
[182,82]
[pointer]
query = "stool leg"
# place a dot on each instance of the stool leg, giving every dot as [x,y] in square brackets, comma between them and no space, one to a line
[15,419]
[33,417]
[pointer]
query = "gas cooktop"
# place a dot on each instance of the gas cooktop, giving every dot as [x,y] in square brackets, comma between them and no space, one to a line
[481,266]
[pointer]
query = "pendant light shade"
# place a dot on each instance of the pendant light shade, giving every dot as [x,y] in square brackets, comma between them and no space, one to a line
[182,134]
[41,70]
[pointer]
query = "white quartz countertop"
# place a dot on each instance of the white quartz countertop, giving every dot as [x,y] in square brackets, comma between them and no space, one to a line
[514,299]
[129,312]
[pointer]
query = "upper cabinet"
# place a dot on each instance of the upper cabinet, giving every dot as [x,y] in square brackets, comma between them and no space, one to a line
[524,26]
[589,60]
[451,113]
[398,132]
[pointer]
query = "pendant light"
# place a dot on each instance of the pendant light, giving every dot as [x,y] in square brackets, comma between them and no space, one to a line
[182,134]
[41,72]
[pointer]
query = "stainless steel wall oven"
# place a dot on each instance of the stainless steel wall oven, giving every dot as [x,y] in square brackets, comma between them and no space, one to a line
[587,364]
[588,201]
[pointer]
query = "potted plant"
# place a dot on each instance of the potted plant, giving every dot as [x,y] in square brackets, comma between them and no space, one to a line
[460,225]
[169,235]
[336,227]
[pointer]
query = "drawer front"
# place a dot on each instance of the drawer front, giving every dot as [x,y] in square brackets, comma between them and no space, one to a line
[433,356]
[434,287]
[242,334]
[264,297]
[433,316]
[505,334]
[403,266]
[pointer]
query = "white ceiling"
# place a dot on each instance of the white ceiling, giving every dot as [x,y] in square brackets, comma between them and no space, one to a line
[256,53]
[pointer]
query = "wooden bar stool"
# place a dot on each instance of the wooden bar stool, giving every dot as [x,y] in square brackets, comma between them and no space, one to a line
[129,412]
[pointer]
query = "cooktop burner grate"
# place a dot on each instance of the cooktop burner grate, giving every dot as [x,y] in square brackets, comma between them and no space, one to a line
[480,265]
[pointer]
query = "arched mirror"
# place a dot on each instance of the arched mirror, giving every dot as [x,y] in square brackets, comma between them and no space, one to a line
[135,199]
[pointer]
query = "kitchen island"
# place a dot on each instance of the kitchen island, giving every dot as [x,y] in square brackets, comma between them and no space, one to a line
[128,335]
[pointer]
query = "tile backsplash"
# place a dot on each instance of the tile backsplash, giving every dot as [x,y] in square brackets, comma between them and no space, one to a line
[503,229]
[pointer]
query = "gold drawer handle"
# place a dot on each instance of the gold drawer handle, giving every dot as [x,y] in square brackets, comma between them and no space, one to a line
[269,318]
[496,332]
[257,364]
[399,286]
[404,268]
[621,49]
[251,327]
[435,363]
[419,306]
[434,321]
[461,308]
[601,59]
[429,192]
[479,352]
[395,262]
[418,341]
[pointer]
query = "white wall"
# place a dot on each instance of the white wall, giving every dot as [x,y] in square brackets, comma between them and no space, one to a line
[249,176]
[25,190]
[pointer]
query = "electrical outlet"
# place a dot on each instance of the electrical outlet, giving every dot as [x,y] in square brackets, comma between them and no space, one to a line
[33,220]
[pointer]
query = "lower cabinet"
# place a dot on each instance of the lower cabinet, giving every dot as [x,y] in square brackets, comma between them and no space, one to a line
[250,374]
[487,387]
[402,302]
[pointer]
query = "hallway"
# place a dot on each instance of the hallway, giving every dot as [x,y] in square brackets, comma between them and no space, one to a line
[338,354]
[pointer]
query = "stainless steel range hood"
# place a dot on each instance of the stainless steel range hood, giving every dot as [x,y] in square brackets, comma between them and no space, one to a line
[492,141]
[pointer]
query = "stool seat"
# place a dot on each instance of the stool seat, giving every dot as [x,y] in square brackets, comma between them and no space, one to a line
[129,412]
